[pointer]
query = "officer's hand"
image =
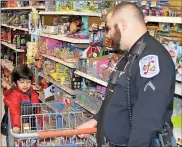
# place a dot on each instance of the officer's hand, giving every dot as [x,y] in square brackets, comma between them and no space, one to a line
[16,129]
[89,124]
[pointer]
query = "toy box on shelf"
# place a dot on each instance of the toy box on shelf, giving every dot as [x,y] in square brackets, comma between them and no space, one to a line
[170,36]
[14,38]
[31,52]
[61,50]
[159,8]
[80,6]
[12,3]
[11,56]
[70,26]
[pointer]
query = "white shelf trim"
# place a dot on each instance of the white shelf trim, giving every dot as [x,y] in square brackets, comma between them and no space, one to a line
[178,135]
[96,80]
[64,38]
[15,28]
[48,104]
[70,13]
[7,64]
[164,19]
[178,89]
[12,46]
[82,105]
[63,87]
[59,61]
[23,8]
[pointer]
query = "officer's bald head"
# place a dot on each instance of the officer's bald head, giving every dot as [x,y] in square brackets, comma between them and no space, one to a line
[126,24]
[128,11]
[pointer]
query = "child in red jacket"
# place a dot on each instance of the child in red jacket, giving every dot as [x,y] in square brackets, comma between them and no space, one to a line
[22,93]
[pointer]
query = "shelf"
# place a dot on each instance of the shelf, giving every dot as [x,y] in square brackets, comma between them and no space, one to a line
[85,107]
[23,8]
[7,64]
[71,13]
[177,133]
[63,87]
[64,38]
[48,105]
[163,19]
[178,89]
[59,61]
[15,28]
[5,84]
[96,80]
[12,46]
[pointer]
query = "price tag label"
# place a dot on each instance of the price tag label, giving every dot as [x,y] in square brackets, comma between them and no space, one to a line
[144,2]
[153,3]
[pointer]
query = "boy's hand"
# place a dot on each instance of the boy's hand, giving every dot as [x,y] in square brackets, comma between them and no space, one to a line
[16,129]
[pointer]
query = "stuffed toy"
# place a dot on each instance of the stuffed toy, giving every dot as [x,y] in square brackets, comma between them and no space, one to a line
[75,24]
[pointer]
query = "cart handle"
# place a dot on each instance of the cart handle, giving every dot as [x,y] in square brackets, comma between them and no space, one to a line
[67,132]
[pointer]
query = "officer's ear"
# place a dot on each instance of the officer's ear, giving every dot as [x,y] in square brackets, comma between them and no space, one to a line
[122,25]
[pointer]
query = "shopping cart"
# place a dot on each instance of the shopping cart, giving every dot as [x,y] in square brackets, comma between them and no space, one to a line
[42,127]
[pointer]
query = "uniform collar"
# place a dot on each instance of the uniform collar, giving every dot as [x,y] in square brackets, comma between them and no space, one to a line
[144,37]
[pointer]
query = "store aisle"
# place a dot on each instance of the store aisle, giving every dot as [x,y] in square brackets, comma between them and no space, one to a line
[3,138]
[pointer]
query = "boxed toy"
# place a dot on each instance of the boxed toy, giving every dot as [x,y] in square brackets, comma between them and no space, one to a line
[51,44]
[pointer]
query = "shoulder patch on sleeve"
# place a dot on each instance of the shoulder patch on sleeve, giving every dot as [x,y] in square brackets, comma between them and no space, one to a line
[149,66]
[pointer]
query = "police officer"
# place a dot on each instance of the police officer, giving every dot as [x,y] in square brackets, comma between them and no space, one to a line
[139,97]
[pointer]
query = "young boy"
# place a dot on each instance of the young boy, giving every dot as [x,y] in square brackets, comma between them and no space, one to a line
[21,93]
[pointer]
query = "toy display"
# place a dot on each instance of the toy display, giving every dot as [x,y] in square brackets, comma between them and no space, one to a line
[31,52]
[179,70]
[61,73]
[159,9]
[82,6]
[17,38]
[72,26]
[34,22]
[17,19]
[61,50]
[12,3]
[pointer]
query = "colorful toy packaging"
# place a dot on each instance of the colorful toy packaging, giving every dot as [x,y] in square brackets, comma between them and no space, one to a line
[66,6]
[50,5]
[61,73]
[31,52]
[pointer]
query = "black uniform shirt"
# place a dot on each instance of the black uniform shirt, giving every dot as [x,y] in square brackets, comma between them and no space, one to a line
[153,84]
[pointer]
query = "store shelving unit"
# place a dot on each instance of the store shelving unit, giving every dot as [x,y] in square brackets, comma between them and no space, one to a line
[15,28]
[7,64]
[63,87]
[85,107]
[178,134]
[71,65]
[89,77]
[48,104]
[64,38]
[71,13]
[164,19]
[12,46]
[178,89]
[23,8]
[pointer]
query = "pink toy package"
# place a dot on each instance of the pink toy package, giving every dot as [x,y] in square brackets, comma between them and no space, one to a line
[51,45]
[101,65]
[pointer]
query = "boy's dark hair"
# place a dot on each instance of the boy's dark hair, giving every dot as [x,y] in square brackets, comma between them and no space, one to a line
[21,72]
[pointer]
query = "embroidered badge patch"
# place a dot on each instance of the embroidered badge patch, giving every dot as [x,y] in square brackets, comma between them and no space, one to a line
[149,66]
